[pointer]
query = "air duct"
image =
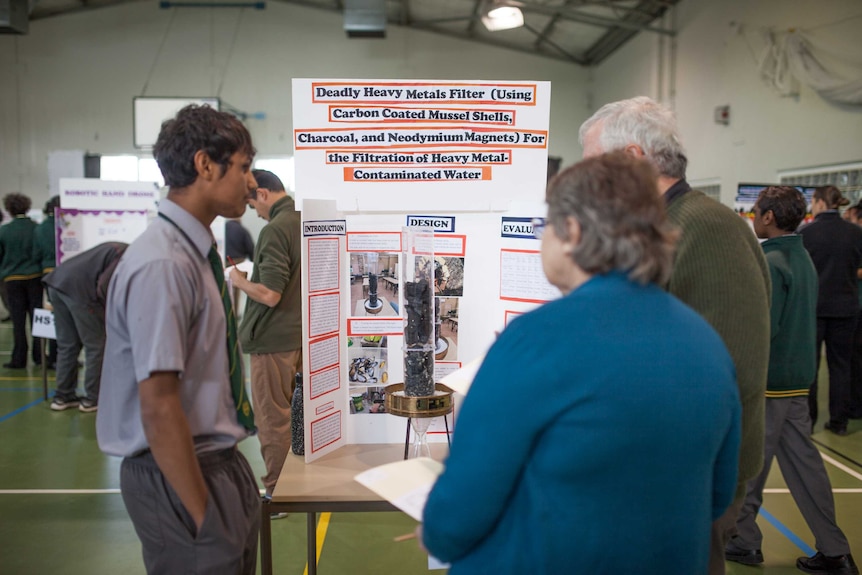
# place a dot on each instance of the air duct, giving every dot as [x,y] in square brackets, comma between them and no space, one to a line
[365,18]
[14,16]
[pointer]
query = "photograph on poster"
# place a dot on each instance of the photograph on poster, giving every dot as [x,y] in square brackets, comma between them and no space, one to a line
[446,329]
[367,365]
[448,275]
[374,284]
[367,401]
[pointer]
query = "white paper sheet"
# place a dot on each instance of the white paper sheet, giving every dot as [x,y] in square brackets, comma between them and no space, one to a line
[405,484]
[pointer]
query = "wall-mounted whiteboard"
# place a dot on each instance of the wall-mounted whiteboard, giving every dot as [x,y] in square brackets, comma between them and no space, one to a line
[149,113]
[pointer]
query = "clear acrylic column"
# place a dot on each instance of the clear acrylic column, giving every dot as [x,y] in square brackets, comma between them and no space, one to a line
[418,398]
[418,272]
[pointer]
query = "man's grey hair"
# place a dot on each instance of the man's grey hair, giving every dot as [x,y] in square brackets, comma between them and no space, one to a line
[623,223]
[646,123]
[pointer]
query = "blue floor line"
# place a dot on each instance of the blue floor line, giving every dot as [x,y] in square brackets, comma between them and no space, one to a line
[20,409]
[794,538]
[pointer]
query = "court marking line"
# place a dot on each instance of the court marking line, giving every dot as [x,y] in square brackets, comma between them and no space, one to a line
[841,466]
[784,530]
[58,491]
[20,409]
[322,527]
[836,452]
[784,490]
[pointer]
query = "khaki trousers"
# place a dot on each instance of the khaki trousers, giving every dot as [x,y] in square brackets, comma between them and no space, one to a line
[272,383]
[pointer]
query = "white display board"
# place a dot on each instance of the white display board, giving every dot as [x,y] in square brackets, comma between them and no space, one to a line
[323,342]
[466,159]
[95,194]
[150,112]
[402,146]
[77,231]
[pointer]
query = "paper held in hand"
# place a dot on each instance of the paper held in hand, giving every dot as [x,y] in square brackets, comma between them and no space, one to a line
[405,484]
[461,380]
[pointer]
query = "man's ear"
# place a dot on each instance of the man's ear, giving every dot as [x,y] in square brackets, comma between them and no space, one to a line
[205,167]
[634,150]
[768,218]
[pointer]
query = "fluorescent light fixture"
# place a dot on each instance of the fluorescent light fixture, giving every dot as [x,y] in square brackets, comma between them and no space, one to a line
[502,17]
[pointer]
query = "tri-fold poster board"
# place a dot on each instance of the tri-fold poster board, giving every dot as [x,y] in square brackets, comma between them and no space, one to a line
[466,159]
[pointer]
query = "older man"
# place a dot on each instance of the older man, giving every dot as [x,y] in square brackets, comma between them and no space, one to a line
[719,270]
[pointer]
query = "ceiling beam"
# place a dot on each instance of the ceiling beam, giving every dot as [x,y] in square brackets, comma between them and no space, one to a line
[584,18]
[616,37]
[477,13]
[41,12]
[546,31]
[490,42]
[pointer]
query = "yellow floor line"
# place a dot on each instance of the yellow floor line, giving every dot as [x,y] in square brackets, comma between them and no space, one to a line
[34,378]
[322,526]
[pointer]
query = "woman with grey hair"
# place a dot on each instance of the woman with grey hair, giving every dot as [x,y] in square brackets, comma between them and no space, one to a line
[588,411]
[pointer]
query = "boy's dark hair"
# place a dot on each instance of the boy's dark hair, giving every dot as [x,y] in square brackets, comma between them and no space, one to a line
[16,204]
[218,134]
[786,203]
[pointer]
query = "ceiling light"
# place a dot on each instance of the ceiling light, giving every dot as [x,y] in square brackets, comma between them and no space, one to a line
[501,16]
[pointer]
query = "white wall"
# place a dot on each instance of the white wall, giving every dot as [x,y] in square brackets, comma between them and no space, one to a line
[716,66]
[69,83]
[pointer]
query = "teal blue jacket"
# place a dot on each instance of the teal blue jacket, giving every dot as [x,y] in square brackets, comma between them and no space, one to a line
[609,415]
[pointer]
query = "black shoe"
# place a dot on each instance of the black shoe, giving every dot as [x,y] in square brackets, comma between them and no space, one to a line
[836,428]
[11,365]
[820,564]
[733,552]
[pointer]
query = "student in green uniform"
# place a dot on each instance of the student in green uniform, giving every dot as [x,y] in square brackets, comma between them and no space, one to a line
[45,252]
[792,365]
[21,274]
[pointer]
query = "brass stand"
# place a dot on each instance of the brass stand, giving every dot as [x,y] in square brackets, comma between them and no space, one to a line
[437,405]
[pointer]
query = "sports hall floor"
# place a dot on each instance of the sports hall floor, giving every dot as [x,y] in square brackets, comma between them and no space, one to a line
[61,512]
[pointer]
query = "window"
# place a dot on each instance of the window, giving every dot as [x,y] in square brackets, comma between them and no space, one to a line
[281,167]
[130,169]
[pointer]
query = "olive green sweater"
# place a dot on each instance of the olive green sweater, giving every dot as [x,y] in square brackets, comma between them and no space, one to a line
[721,272]
[16,250]
[277,266]
[793,348]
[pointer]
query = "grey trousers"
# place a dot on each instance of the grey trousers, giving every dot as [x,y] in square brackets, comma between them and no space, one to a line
[787,439]
[77,326]
[227,541]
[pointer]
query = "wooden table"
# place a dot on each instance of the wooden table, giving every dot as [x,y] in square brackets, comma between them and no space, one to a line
[327,485]
[391,283]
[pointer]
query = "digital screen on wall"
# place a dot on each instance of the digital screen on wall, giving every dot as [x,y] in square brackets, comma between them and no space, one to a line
[747,193]
[149,113]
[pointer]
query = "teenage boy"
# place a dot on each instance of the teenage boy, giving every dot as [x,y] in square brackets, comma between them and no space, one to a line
[173,402]
[792,364]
